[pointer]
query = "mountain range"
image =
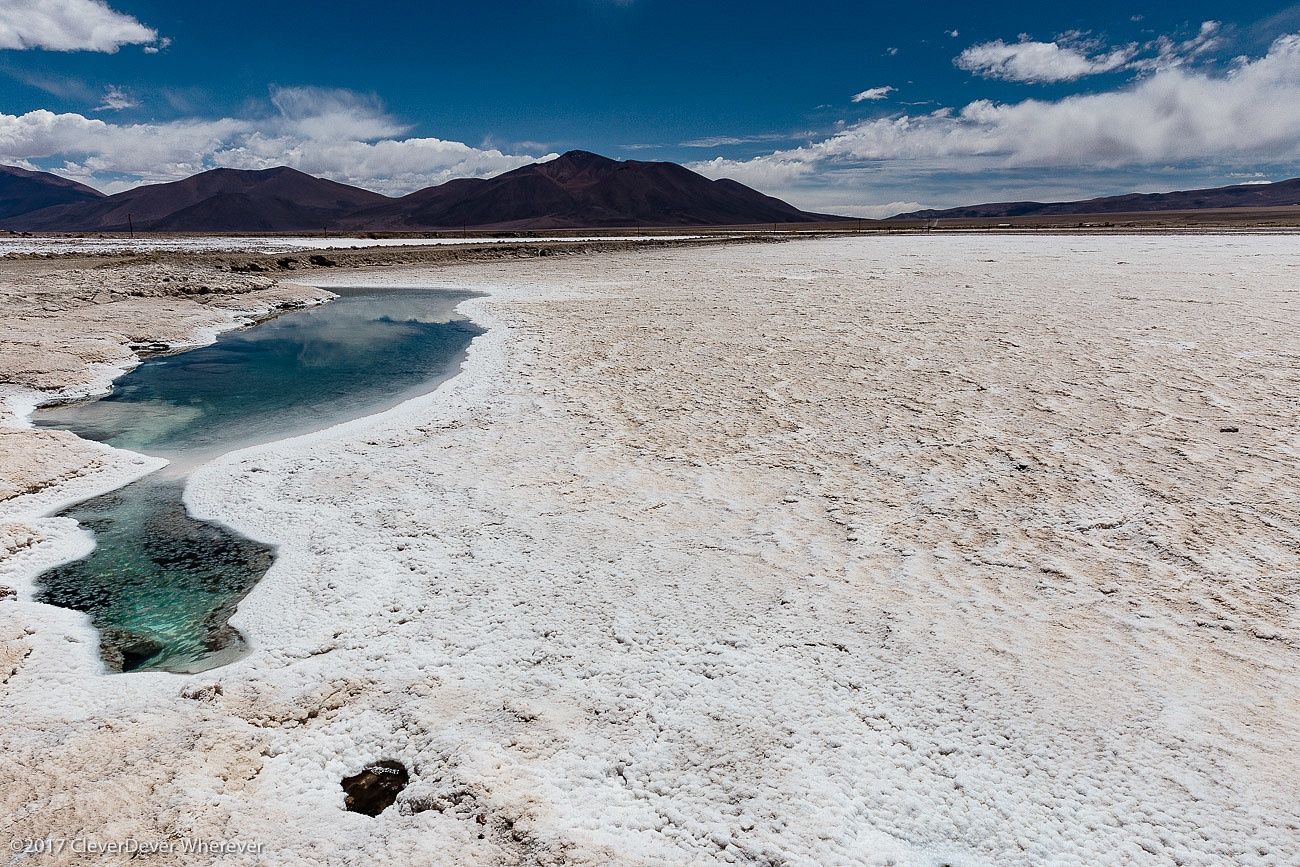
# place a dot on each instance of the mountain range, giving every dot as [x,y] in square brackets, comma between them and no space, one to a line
[576,190]
[1279,194]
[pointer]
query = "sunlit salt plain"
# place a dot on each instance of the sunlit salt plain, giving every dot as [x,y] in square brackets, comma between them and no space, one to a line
[910,550]
[93,244]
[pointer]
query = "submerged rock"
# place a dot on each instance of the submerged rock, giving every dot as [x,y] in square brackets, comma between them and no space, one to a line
[376,788]
[127,651]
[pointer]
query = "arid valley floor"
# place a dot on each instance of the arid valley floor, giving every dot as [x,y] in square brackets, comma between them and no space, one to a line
[911,550]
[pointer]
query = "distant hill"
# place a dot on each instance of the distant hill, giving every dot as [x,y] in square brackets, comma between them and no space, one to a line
[222,200]
[584,190]
[1278,194]
[23,191]
[577,190]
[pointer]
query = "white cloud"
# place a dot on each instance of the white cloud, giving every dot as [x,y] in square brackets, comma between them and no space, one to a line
[1039,62]
[317,112]
[1171,53]
[1174,114]
[1076,55]
[875,212]
[335,134]
[727,140]
[873,94]
[69,25]
[1246,118]
[779,170]
[116,99]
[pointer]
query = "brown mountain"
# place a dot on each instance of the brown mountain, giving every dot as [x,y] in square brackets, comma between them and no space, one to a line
[222,200]
[1273,195]
[22,191]
[584,190]
[577,190]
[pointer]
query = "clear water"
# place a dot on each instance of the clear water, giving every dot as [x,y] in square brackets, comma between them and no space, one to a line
[160,586]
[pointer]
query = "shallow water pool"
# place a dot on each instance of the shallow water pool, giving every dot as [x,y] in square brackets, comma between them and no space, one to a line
[160,586]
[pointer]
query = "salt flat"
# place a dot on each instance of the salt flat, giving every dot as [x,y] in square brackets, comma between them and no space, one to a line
[957,550]
[113,243]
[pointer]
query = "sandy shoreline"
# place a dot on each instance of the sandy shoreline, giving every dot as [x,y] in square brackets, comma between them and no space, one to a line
[881,550]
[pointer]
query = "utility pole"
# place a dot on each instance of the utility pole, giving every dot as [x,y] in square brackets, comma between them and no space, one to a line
[130,225]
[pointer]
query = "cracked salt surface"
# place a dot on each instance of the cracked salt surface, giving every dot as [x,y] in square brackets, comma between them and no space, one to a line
[917,559]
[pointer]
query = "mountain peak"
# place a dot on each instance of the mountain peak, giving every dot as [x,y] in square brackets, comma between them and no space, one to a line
[581,189]
[573,165]
[23,191]
[48,179]
[219,200]
[272,172]
[582,158]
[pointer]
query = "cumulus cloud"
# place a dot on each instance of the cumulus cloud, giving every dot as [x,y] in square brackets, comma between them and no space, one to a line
[1076,55]
[873,94]
[876,212]
[70,25]
[318,112]
[1176,114]
[336,134]
[1245,118]
[1039,62]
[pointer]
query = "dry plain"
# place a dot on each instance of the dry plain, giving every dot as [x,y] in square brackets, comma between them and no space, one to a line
[912,550]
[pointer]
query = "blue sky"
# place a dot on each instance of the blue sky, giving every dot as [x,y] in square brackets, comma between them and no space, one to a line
[847,107]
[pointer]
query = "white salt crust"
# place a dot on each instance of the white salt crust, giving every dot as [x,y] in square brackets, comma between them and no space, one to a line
[904,550]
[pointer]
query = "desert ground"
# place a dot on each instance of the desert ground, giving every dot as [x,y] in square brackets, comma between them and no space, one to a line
[909,550]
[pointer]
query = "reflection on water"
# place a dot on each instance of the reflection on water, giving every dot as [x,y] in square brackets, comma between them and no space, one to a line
[160,586]
[296,373]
